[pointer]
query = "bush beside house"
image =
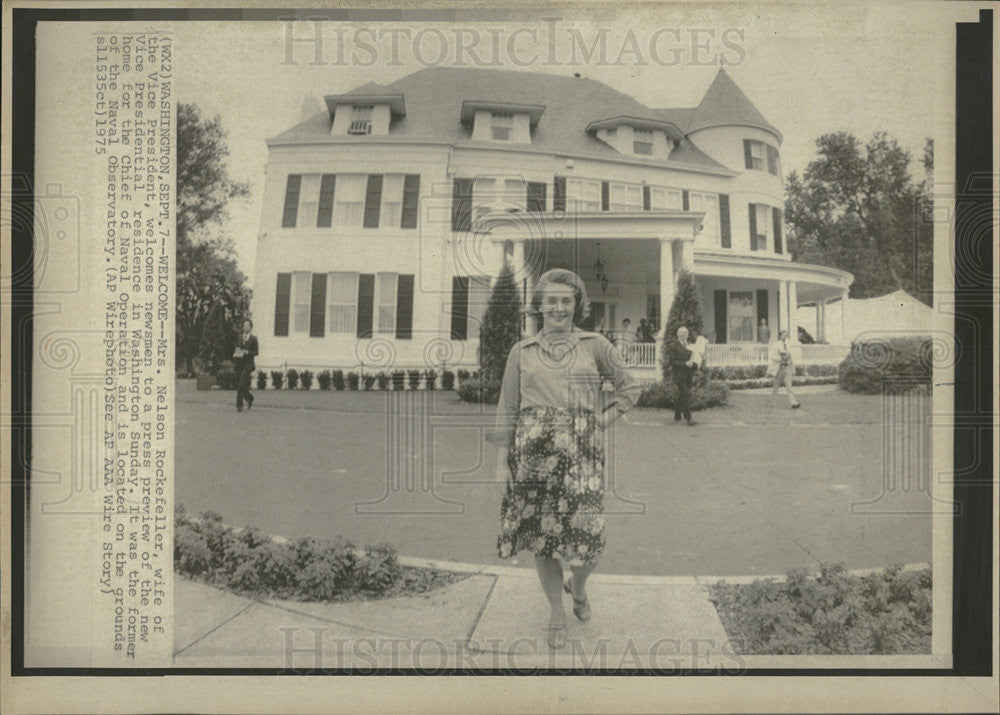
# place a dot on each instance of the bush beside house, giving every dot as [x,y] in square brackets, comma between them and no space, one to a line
[878,363]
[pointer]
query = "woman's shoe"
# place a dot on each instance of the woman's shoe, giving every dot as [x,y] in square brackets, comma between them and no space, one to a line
[557,636]
[581,609]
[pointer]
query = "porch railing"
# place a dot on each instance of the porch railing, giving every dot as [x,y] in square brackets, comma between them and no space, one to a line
[639,354]
[736,354]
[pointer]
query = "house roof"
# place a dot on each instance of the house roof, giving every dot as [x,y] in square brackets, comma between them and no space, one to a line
[435,97]
[725,104]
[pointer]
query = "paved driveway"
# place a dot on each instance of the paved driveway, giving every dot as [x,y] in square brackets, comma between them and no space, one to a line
[753,488]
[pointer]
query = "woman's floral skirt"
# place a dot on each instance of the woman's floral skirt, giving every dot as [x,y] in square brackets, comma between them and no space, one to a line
[555,507]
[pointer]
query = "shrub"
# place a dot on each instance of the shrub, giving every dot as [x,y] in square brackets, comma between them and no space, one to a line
[277,379]
[836,612]
[686,310]
[500,327]
[872,362]
[307,379]
[398,379]
[430,379]
[413,378]
[353,379]
[324,379]
[821,370]
[226,378]
[383,380]
[737,372]
[378,569]
[463,375]
[338,379]
[447,380]
[261,380]
[369,380]
[663,394]
[293,379]
[473,390]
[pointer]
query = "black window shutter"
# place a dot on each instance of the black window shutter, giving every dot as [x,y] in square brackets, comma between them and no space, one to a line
[411,201]
[459,307]
[605,196]
[327,184]
[646,202]
[761,305]
[753,227]
[536,196]
[772,160]
[724,229]
[290,214]
[685,200]
[461,205]
[404,307]
[366,304]
[778,248]
[373,200]
[747,154]
[559,194]
[720,316]
[317,307]
[282,301]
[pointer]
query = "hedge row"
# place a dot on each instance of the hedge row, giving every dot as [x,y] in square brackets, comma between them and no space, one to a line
[663,394]
[249,561]
[769,381]
[293,379]
[891,363]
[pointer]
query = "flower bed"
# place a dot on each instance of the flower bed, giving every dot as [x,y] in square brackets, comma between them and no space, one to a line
[836,612]
[252,563]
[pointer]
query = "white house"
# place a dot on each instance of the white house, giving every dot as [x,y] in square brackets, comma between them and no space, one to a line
[386,216]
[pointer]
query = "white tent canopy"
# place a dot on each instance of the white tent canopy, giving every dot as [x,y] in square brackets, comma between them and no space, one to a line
[893,313]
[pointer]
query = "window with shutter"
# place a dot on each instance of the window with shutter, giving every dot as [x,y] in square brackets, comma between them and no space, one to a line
[327,185]
[373,200]
[459,307]
[605,196]
[778,248]
[461,205]
[646,198]
[317,306]
[282,302]
[349,199]
[559,193]
[291,210]
[343,302]
[386,287]
[392,200]
[536,197]
[411,200]
[753,226]
[404,307]
[366,304]
[724,226]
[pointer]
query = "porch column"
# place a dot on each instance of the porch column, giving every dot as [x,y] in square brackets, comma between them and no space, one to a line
[793,307]
[521,280]
[820,319]
[687,256]
[666,280]
[782,308]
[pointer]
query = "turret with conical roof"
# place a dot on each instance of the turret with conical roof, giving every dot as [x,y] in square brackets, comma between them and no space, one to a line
[724,104]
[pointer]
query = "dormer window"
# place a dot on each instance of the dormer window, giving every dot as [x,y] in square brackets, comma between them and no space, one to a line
[642,142]
[500,121]
[361,120]
[501,125]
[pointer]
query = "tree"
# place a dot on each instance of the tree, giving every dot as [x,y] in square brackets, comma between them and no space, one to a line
[858,209]
[500,329]
[686,310]
[212,296]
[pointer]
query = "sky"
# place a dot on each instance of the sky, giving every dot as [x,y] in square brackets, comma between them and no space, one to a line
[809,68]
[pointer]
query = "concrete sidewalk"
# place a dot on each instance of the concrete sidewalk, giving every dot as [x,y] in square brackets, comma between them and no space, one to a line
[493,619]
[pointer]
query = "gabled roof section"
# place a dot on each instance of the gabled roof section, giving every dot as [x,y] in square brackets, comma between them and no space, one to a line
[471,106]
[725,104]
[370,93]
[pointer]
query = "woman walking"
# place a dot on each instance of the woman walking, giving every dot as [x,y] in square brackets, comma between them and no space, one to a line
[246,350]
[783,368]
[550,452]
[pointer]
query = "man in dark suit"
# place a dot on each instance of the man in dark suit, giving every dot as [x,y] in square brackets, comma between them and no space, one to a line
[246,349]
[682,368]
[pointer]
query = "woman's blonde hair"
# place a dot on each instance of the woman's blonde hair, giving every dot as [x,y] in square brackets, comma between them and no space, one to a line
[561,276]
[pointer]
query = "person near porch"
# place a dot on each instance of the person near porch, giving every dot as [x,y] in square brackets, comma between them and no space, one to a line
[246,350]
[550,450]
[783,368]
[763,332]
[682,369]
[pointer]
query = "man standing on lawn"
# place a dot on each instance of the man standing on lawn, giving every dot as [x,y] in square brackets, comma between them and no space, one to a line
[682,368]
